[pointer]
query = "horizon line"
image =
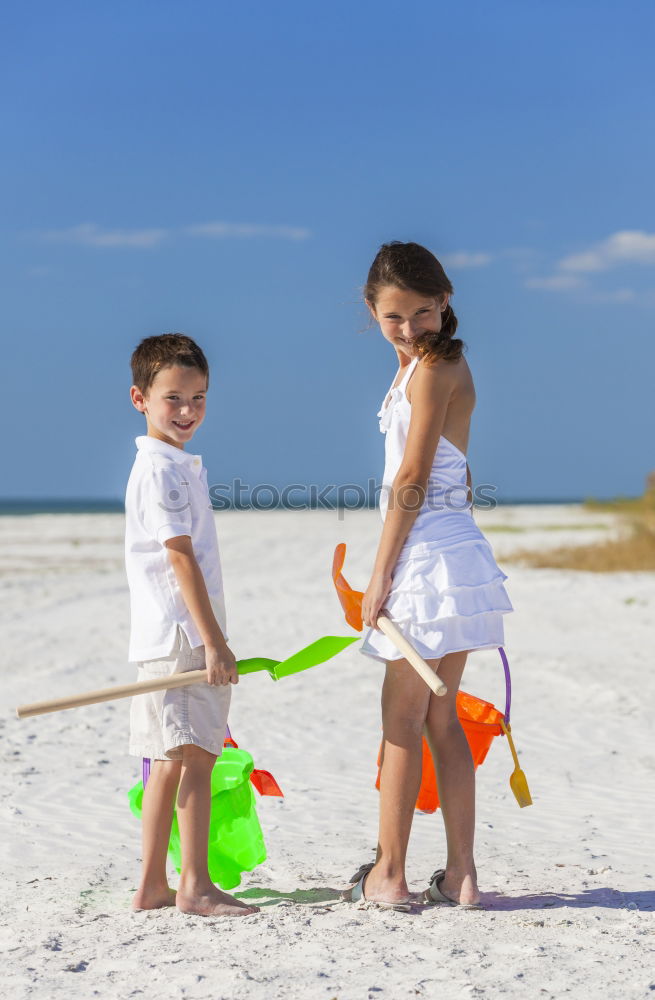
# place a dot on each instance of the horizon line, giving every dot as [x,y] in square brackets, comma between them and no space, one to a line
[97,505]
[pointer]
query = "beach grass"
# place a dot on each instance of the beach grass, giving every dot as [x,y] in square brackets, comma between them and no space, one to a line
[631,547]
[516,529]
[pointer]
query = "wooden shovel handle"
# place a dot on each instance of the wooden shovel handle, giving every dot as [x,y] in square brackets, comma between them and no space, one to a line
[385,625]
[392,631]
[108,694]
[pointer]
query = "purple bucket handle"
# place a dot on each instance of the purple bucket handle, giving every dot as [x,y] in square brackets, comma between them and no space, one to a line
[508,684]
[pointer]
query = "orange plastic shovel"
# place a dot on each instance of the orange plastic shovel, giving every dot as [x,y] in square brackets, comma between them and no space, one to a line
[351,602]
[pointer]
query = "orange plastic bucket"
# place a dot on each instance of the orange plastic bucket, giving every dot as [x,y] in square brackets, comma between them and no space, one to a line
[480,722]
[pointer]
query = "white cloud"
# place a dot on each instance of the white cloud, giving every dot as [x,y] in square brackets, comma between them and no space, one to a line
[555,283]
[572,282]
[618,297]
[629,246]
[87,234]
[464,259]
[246,230]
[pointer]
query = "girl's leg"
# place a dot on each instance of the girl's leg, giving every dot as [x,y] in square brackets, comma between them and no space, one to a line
[156,819]
[196,892]
[405,700]
[456,782]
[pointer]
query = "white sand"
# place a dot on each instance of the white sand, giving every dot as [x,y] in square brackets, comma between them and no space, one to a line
[567,884]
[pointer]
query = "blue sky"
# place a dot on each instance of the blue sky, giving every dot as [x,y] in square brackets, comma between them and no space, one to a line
[229,170]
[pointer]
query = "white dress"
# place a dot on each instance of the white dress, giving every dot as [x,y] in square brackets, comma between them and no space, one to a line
[447,593]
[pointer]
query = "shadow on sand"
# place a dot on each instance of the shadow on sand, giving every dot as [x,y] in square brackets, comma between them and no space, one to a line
[269,897]
[610,899]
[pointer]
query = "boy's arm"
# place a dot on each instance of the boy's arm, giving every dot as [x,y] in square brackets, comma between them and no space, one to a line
[219,658]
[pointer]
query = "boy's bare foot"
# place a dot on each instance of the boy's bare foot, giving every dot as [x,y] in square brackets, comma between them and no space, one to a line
[211,902]
[153,899]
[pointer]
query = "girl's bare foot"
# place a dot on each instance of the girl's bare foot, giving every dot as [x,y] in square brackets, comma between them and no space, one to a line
[211,902]
[153,899]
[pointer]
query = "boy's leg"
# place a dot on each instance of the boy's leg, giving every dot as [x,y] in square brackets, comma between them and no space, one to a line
[196,892]
[156,819]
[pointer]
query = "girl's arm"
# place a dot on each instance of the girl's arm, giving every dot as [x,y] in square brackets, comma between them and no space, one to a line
[432,389]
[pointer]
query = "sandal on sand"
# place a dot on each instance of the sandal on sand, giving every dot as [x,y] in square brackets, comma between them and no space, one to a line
[434,895]
[356,895]
[362,870]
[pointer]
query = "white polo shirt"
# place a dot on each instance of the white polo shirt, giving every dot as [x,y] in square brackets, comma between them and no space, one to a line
[167,496]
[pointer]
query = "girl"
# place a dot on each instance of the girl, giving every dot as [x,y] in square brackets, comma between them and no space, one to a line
[434,573]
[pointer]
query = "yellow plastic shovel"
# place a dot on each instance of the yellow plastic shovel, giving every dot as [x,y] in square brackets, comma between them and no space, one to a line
[517,780]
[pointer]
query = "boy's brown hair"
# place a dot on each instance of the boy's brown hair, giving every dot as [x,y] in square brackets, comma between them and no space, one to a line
[165,351]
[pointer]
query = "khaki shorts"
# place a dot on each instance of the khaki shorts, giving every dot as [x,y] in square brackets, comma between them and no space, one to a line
[162,722]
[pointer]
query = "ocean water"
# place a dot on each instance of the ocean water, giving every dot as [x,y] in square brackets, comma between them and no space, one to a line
[331,501]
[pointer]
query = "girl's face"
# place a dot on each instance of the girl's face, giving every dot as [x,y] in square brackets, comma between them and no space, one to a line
[403,315]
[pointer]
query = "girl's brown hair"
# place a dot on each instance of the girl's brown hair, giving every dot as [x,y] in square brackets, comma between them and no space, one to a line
[411,266]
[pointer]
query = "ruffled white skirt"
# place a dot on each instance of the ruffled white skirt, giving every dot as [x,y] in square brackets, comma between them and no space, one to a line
[444,599]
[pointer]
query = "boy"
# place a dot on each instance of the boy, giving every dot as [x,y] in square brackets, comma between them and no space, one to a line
[177,624]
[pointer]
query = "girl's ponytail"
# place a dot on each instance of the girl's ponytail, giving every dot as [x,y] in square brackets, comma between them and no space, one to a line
[441,346]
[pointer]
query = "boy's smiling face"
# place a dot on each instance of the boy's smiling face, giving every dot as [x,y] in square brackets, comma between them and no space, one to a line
[174,405]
